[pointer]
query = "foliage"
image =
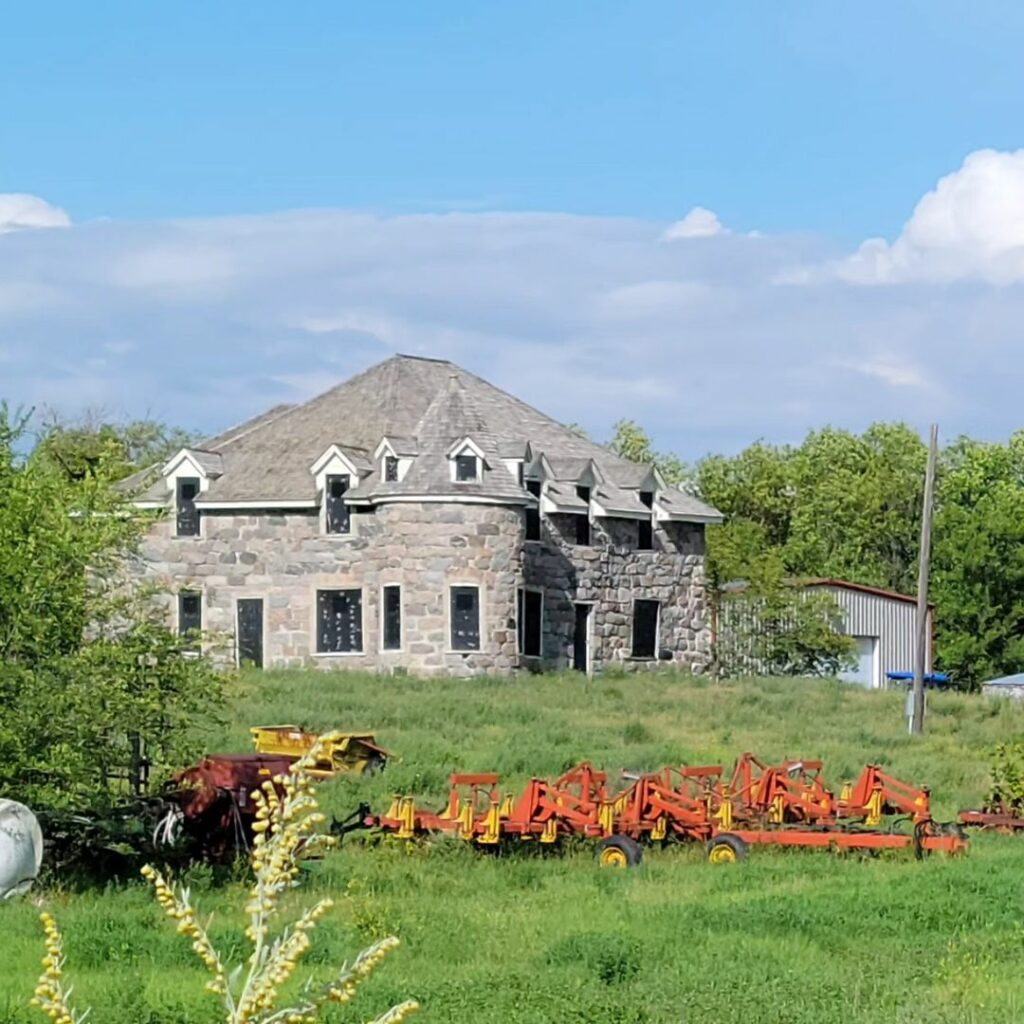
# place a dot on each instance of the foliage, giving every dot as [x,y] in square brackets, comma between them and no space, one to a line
[94,445]
[85,659]
[781,630]
[631,442]
[528,936]
[1007,792]
[286,831]
[68,722]
[849,506]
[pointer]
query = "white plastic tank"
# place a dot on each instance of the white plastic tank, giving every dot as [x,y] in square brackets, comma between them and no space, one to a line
[21,848]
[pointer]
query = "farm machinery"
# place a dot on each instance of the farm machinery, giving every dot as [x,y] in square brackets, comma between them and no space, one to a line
[755,804]
[1003,810]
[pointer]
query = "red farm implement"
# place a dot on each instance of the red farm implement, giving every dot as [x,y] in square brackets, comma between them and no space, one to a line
[784,805]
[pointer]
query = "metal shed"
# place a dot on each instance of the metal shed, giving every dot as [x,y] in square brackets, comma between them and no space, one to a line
[883,626]
[881,622]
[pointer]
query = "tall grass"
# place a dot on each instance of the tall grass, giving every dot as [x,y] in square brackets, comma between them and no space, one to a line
[785,937]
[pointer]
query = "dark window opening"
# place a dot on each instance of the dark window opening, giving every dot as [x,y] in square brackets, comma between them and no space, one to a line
[392,618]
[249,635]
[533,514]
[337,518]
[583,521]
[465,618]
[339,615]
[466,468]
[390,469]
[521,473]
[190,616]
[644,535]
[530,622]
[645,629]
[187,513]
[645,528]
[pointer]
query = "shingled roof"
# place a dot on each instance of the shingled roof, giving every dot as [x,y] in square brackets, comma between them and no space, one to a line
[429,404]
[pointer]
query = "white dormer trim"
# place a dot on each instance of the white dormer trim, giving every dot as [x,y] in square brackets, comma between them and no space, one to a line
[384,451]
[466,446]
[664,515]
[460,447]
[333,462]
[185,465]
[515,467]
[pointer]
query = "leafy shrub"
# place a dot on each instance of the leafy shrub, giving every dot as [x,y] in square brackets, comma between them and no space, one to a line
[612,958]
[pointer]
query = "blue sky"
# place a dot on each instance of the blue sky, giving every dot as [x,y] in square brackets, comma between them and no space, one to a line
[230,205]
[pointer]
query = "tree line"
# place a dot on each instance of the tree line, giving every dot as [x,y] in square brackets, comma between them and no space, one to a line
[848,505]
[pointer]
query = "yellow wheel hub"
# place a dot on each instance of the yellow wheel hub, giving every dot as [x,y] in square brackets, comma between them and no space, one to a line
[722,855]
[613,857]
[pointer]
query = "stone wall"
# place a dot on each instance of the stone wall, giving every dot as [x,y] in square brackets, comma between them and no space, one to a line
[610,574]
[284,558]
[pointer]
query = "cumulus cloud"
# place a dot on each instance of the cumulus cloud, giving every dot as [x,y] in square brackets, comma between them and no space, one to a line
[894,372]
[207,321]
[19,211]
[698,223]
[970,226]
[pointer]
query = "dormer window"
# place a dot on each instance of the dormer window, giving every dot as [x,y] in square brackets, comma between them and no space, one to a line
[391,469]
[337,517]
[186,513]
[467,468]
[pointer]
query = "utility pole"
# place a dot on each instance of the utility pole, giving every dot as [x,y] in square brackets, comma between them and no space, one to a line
[924,554]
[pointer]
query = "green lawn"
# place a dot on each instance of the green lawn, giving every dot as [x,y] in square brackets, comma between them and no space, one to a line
[784,937]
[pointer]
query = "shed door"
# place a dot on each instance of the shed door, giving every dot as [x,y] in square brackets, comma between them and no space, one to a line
[865,671]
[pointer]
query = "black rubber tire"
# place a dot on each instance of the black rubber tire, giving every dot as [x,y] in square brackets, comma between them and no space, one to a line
[716,849]
[921,831]
[619,851]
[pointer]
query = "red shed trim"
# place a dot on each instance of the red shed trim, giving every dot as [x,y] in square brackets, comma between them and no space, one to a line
[862,588]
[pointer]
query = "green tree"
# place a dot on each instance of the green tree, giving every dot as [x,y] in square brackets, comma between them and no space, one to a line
[632,443]
[87,660]
[80,448]
[978,559]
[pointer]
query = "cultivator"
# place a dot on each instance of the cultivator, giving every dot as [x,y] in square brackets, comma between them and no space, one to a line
[756,804]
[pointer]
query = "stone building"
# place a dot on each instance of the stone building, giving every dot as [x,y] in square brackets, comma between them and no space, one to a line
[418,518]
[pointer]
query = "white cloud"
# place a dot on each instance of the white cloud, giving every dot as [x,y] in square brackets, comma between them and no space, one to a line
[589,318]
[970,226]
[19,211]
[698,223]
[892,371]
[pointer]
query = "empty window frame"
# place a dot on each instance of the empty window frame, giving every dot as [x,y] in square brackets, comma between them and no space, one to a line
[645,628]
[467,469]
[391,617]
[186,513]
[464,617]
[337,516]
[645,527]
[583,520]
[533,514]
[339,621]
[190,616]
[390,469]
[530,622]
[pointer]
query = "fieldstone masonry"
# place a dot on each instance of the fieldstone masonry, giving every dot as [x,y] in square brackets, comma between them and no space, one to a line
[426,547]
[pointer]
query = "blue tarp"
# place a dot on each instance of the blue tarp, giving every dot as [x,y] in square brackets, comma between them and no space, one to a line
[934,678]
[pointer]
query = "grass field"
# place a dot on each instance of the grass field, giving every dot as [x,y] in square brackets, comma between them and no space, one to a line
[784,938]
